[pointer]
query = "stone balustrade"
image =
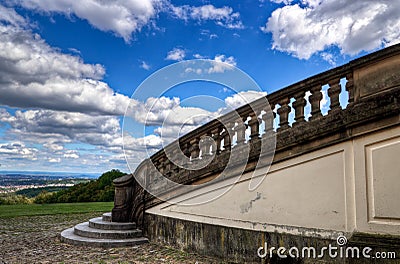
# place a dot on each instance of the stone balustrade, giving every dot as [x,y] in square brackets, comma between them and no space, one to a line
[324,106]
[217,138]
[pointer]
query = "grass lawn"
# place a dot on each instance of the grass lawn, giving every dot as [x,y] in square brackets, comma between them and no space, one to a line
[50,209]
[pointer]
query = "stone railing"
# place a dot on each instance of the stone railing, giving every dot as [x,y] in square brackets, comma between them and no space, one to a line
[370,84]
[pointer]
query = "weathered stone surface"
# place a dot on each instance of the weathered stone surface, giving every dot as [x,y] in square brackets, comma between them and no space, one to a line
[70,236]
[236,245]
[35,239]
[101,232]
[100,223]
[373,86]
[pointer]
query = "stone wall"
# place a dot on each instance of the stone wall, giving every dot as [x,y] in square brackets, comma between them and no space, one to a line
[330,175]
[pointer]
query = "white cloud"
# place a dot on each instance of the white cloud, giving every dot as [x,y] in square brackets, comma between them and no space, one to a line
[286,2]
[353,26]
[33,74]
[221,63]
[328,57]
[71,154]
[53,147]
[213,36]
[124,18]
[145,65]
[242,98]
[18,150]
[10,16]
[54,160]
[223,16]
[167,111]
[135,145]
[207,33]
[176,54]
[57,126]
[121,17]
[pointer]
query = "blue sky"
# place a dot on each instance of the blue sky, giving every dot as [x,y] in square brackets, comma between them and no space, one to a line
[68,68]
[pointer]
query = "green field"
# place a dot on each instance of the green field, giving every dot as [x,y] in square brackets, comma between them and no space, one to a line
[50,209]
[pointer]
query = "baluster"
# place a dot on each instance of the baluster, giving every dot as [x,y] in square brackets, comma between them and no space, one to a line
[205,144]
[174,162]
[283,112]
[240,130]
[194,148]
[227,136]
[167,167]
[160,165]
[254,124]
[298,106]
[333,93]
[268,119]
[185,147]
[315,101]
[216,135]
[350,87]
[153,174]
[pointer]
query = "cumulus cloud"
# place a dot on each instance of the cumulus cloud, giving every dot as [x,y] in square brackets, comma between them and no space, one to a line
[71,154]
[66,103]
[121,17]
[221,63]
[286,2]
[54,160]
[309,27]
[10,16]
[223,16]
[53,146]
[167,111]
[18,150]
[198,56]
[96,130]
[124,18]
[176,54]
[33,74]
[150,142]
[242,98]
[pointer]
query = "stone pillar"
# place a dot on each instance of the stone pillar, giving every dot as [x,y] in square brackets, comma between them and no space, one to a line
[216,135]
[254,124]
[240,130]
[123,198]
[268,119]
[350,88]
[333,93]
[315,101]
[283,112]
[194,149]
[227,137]
[298,106]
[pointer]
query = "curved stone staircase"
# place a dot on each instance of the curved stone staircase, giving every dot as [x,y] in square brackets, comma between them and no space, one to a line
[101,232]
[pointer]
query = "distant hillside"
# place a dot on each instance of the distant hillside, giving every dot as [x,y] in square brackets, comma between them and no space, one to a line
[100,190]
[33,192]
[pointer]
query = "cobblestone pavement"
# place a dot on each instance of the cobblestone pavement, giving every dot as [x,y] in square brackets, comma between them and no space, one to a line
[35,239]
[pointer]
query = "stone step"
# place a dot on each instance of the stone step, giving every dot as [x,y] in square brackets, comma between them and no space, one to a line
[68,236]
[107,217]
[99,223]
[85,230]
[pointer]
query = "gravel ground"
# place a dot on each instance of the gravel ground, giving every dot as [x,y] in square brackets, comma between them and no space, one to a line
[35,239]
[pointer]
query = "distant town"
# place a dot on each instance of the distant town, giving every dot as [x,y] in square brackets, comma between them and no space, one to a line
[16,181]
